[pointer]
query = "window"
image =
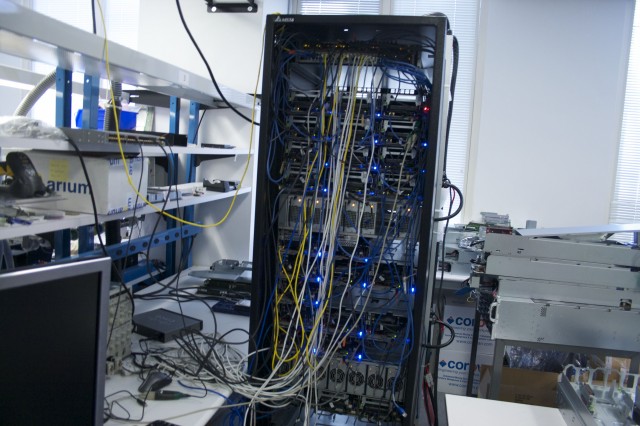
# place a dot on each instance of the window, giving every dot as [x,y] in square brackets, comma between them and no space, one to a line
[463,17]
[625,204]
[338,7]
[121,17]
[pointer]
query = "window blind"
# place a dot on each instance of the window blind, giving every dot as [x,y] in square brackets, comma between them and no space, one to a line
[339,7]
[121,18]
[625,204]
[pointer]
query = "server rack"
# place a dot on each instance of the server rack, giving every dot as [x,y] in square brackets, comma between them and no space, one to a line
[350,166]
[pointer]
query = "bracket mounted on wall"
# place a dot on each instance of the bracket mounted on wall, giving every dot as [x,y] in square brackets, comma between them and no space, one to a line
[248,6]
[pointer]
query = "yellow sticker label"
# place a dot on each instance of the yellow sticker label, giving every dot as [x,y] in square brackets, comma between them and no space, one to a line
[59,170]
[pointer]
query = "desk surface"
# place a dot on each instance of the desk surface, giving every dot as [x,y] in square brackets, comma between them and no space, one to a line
[188,411]
[465,411]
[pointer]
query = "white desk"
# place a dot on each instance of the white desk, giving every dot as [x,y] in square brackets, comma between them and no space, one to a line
[188,411]
[467,411]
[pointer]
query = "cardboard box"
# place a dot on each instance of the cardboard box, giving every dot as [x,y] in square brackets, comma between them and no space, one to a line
[461,318]
[616,363]
[529,387]
[63,174]
[522,386]
[453,371]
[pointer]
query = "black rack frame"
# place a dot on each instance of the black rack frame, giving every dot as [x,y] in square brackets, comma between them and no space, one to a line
[264,259]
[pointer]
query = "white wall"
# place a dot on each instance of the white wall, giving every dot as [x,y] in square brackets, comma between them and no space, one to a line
[548,104]
[548,101]
[11,96]
[232,44]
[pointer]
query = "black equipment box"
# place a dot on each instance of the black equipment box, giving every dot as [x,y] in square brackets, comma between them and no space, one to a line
[164,325]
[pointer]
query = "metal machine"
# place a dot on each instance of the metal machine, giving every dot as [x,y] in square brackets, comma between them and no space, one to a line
[570,290]
[565,292]
[598,397]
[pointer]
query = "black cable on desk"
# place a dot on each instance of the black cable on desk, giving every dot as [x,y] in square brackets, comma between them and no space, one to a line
[169,158]
[189,345]
[108,409]
[97,228]
[159,216]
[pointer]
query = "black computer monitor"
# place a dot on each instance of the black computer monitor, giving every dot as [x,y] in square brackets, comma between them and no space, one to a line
[53,343]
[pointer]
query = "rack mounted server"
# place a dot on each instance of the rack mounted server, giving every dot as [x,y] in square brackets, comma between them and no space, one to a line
[350,166]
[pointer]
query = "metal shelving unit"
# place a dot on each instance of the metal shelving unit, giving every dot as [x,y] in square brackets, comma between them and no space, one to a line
[29,35]
[75,220]
[12,143]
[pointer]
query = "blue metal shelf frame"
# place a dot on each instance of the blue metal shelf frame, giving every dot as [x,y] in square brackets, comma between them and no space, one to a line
[91,93]
[139,245]
[62,239]
[32,36]
[174,232]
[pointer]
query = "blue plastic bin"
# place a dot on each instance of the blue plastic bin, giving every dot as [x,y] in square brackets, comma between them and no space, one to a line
[127,119]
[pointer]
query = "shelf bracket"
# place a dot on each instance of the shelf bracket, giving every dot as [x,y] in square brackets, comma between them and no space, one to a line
[128,248]
[250,6]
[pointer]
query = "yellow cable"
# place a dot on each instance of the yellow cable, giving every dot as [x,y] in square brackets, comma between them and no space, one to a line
[292,287]
[292,280]
[124,160]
